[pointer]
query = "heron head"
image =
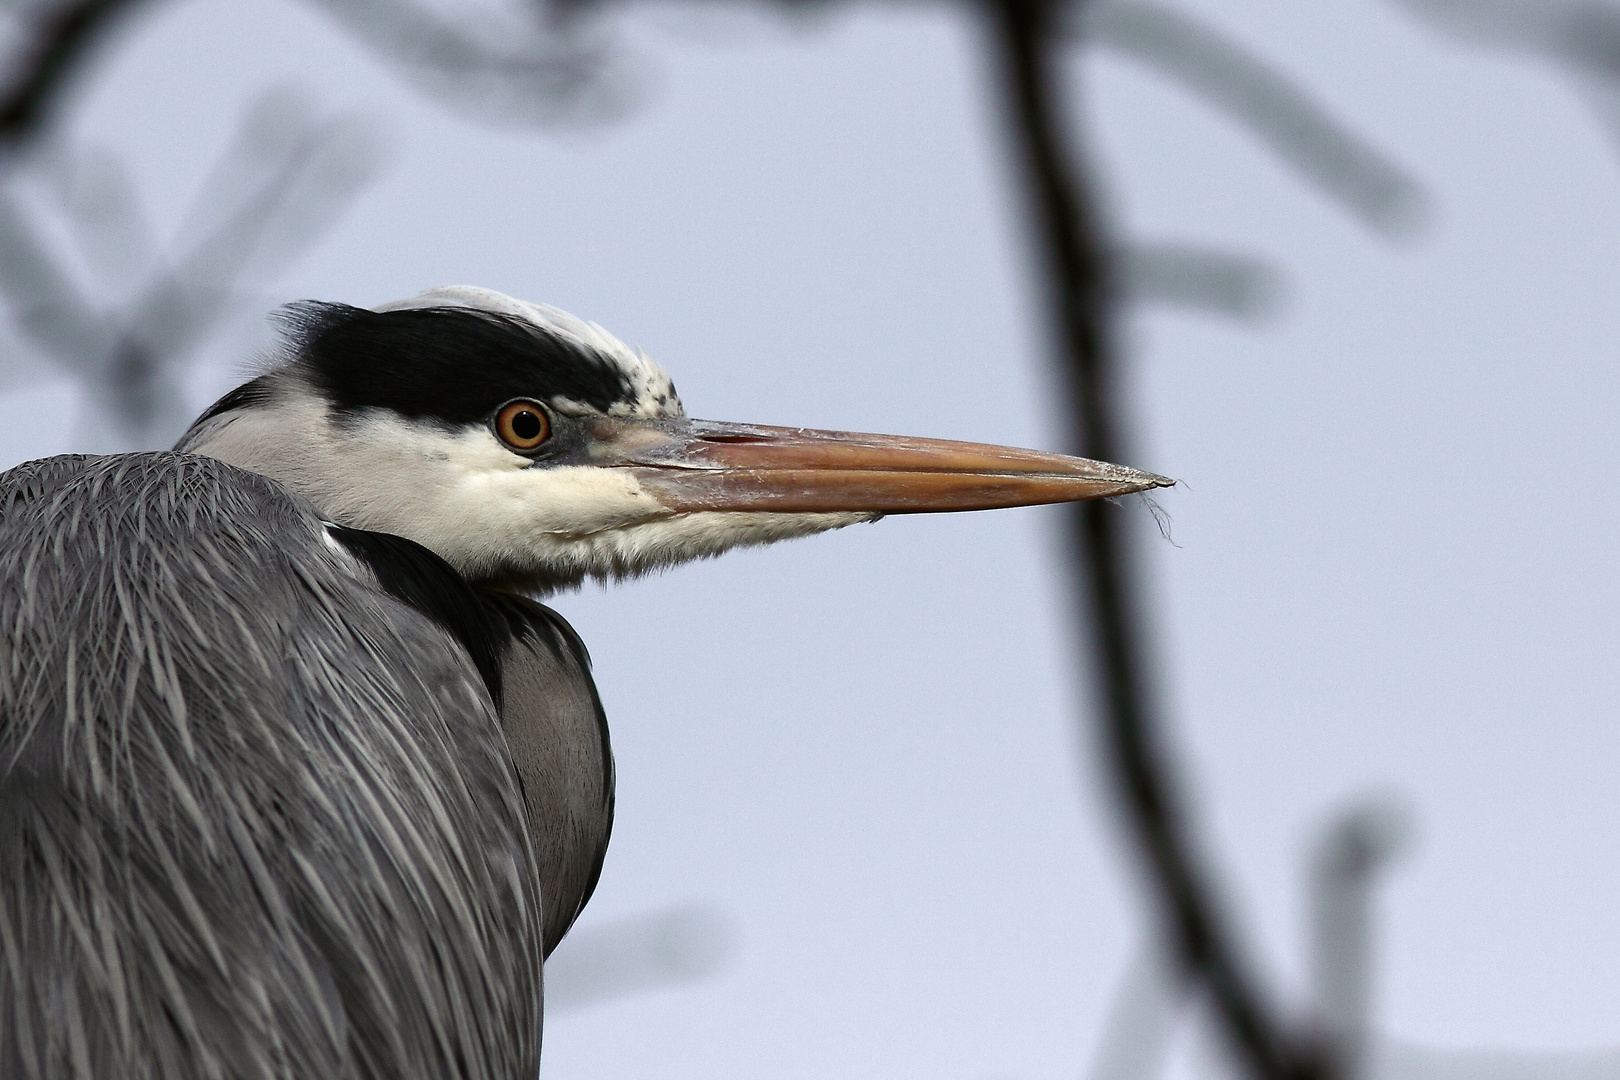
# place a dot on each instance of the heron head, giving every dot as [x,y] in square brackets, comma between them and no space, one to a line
[529,448]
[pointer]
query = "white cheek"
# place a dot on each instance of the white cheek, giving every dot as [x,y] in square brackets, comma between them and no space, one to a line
[489,513]
[513,510]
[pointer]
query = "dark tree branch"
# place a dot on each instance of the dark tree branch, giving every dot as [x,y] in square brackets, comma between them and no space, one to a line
[62,36]
[1028,46]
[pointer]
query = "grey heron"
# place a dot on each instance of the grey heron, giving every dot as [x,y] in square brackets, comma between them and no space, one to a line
[297,778]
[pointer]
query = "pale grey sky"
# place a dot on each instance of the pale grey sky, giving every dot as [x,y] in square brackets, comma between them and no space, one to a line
[1397,552]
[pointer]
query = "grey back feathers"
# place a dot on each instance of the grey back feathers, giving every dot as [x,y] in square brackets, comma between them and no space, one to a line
[258,817]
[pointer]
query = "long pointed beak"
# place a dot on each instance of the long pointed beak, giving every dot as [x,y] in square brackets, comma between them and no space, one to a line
[692,465]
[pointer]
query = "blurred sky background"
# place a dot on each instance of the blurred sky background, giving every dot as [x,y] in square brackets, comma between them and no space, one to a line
[1394,566]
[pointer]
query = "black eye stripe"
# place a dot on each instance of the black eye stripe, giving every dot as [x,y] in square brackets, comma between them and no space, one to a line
[450,364]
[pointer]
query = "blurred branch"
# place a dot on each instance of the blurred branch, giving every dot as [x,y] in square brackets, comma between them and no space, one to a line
[45,304]
[1581,32]
[537,70]
[632,955]
[60,38]
[1202,278]
[1581,36]
[1267,102]
[542,67]
[1588,36]
[276,189]
[1357,844]
[97,195]
[1080,292]
[1402,1061]
[283,179]
[1141,1021]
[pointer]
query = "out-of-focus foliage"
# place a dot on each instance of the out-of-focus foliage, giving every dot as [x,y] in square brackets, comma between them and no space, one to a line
[1580,37]
[531,63]
[94,295]
[1269,104]
[633,955]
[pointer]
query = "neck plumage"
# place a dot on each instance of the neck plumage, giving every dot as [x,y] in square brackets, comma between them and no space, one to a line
[538,675]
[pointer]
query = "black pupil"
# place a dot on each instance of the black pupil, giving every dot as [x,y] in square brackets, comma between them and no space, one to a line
[526,425]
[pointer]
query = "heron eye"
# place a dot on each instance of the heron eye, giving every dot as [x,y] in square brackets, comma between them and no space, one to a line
[522,425]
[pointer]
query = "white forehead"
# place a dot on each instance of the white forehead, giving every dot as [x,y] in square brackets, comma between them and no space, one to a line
[651,384]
